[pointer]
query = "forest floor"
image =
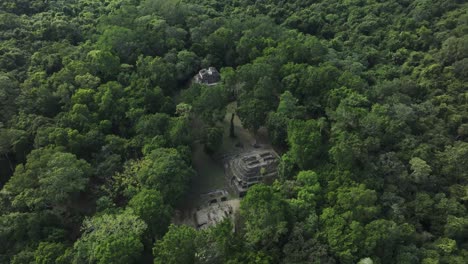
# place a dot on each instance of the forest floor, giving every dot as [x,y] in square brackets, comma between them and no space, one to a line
[210,169]
[243,136]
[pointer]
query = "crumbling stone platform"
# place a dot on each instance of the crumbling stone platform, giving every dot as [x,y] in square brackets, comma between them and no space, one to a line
[213,214]
[215,208]
[208,76]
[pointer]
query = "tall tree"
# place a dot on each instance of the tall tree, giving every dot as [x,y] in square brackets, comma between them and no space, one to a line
[149,206]
[306,141]
[110,238]
[49,179]
[266,216]
[177,246]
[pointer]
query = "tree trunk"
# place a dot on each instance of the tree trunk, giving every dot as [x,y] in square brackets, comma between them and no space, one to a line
[231,128]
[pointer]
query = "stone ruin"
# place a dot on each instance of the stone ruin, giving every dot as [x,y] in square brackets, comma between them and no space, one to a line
[213,214]
[215,208]
[242,171]
[246,169]
[208,76]
[213,197]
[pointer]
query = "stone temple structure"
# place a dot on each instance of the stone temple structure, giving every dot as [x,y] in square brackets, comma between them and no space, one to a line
[246,169]
[208,76]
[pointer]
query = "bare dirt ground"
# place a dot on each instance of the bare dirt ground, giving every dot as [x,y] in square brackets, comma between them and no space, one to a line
[243,136]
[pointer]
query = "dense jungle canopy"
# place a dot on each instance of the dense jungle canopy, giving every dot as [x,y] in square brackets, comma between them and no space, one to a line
[365,100]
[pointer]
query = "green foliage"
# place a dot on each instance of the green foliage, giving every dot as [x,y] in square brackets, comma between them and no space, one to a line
[25,256]
[8,93]
[97,108]
[265,215]
[277,122]
[110,239]
[178,131]
[288,105]
[210,102]
[277,125]
[49,178]
[452,161]
[48,252]
[166,171]
[253,113]
[219,244]
[104,63]
[421,170]
[302,248]
[213,138]
[187,64]
[305,141]
[308,193]
[177,246]
[149,206]
[152,125]
[344,222]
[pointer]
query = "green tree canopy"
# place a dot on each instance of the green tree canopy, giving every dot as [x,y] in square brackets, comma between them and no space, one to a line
[265,214]
[167,171]
[110,238]
[305,141]
[149,206]
[50,178]
[177,246]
